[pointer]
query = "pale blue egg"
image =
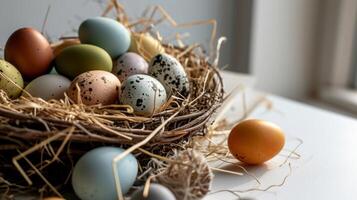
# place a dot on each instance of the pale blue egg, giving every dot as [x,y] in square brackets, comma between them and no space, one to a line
[93,177]
[156,192]
[106,33]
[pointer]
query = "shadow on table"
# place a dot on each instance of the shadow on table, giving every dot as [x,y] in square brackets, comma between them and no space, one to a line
[223,179]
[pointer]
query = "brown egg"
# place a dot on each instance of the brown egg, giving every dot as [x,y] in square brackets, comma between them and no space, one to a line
[96,87]
[255,141]
[29,51]
[58,47]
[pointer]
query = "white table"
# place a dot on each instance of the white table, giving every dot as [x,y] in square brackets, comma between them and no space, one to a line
[327,168]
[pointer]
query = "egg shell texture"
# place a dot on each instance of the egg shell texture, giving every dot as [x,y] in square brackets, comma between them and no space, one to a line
[9,78]
[144,93]
[96,87]
[77,59]
[93,177]
[156,192]
[170,73]
[106,33]
[49,86]
[129,64]
[30,52]
[255,141]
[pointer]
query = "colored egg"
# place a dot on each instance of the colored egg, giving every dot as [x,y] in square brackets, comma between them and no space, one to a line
[129,64]
[145,45]
[10,79]
[255,141]
[53,198]
[49,86]
[29,51]
[106,33]
[143,93]
[93,176]
[96,87]
[169,71]
[58,47]
[156,192]
[77,59]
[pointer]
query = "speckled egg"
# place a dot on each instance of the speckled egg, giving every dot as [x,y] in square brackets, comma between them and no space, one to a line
[106,33]
[10,79]
[96,87]
[49,86]
[169,71]
[129,64]
[156,192]
[144,93]
[93,176]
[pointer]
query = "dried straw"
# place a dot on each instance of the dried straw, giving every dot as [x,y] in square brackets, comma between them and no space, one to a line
[40,141]
[44,136]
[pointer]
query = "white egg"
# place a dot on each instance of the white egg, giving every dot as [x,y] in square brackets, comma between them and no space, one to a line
[169,71]
[143,93]
[49,86]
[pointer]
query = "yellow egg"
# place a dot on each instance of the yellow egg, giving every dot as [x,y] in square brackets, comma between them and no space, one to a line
[255,141]
[10,79]
[145,45]
[58,47]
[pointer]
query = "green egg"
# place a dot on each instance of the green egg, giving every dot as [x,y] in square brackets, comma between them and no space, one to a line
[77,59]
[10,79]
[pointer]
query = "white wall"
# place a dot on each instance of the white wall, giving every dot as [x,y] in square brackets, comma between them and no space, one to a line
[283,56]
[66,15]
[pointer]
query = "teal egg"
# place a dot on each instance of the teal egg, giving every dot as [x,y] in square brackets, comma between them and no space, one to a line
[93,176]
[77,59]
[106,33]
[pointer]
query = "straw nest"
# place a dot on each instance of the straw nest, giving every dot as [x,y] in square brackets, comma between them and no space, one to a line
[40,141]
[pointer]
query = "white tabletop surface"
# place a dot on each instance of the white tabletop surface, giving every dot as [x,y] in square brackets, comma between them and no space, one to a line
[327,168]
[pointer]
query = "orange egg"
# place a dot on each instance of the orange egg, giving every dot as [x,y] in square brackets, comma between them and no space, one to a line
[255,141]
[53,198]
[29,51]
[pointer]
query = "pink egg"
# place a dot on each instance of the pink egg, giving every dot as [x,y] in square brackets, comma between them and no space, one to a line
[95,87]
[129,64]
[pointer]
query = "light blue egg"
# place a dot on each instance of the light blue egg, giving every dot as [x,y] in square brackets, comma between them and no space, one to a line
[106,33]
[156,192]
[93,177]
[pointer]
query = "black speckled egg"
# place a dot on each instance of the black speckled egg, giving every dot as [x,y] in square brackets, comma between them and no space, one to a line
[156,192]
[95,87]
[144,93]
[129,64]
[169,71]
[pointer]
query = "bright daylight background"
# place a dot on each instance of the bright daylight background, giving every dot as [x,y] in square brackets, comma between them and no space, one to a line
[299,49]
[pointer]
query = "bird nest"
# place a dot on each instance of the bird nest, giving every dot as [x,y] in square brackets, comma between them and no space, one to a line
[40,141]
